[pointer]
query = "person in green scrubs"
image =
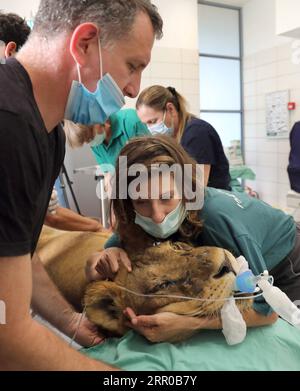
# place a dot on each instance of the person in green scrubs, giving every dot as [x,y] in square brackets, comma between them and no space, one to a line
[267,237]
[116,132]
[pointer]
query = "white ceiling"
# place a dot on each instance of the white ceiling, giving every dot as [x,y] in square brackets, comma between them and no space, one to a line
[235,3]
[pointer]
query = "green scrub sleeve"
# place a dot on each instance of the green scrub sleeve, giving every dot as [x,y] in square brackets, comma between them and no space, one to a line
[113,241]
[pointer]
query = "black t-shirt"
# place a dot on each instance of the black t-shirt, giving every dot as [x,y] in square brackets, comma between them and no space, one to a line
[30,161]
[203,144]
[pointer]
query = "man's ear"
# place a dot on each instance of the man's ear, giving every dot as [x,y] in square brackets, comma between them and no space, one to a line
[11,49]
[83,39]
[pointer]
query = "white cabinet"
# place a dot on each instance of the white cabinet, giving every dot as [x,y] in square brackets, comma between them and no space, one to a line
[288,18]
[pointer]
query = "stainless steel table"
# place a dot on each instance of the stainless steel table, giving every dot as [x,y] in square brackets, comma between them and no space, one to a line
[99,176]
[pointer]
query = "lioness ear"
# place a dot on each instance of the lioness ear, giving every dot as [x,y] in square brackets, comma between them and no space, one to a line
[181,246]
[104,307]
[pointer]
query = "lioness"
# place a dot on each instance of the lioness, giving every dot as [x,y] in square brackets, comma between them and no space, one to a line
[175,269]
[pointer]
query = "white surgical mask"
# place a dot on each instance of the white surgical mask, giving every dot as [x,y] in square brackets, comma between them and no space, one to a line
[98,140]
[161,128]
[168,227]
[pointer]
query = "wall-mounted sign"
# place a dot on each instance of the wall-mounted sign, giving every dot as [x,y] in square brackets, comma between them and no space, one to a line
[278,115]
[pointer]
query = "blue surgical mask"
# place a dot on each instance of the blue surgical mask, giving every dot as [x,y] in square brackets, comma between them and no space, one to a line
[161,129]
[90,108]
[168,227]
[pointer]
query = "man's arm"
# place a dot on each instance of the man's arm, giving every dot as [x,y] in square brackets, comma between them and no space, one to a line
[67,220]
[48,302]
[25,344]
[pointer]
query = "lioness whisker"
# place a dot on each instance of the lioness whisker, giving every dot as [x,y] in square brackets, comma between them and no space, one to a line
[186,297]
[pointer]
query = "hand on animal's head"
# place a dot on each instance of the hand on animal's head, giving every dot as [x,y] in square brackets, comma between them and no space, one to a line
[161,280]
[105,265]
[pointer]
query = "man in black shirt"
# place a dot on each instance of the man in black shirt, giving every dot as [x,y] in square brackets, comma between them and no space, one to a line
[34,92]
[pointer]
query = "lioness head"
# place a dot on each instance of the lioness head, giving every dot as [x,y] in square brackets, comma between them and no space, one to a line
[174,269]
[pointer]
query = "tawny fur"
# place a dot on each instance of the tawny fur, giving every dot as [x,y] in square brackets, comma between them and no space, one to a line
[166,269]
[64,255]
[175,269]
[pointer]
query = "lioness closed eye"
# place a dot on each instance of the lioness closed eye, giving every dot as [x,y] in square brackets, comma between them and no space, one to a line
[174,269]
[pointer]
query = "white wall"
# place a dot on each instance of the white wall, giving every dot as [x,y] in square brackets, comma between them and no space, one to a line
[175,59]
[180,23]
[268,67]
[287,17]
[259,24]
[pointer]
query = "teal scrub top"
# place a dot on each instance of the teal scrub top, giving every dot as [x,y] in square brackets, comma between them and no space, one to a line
[249,227]
[125,125]
[245,226]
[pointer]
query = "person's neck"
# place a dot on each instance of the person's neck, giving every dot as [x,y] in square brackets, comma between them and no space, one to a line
[176,125]
[51,85]
[108,133]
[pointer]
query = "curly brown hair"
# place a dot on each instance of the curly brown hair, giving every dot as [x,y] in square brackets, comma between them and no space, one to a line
[150,151]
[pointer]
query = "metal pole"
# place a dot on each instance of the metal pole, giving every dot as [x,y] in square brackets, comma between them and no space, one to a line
[63,188]
[104,212]
[64,171]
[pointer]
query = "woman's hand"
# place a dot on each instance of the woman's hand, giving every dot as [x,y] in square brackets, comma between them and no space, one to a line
[105,265]
[165,327]
[87,333]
